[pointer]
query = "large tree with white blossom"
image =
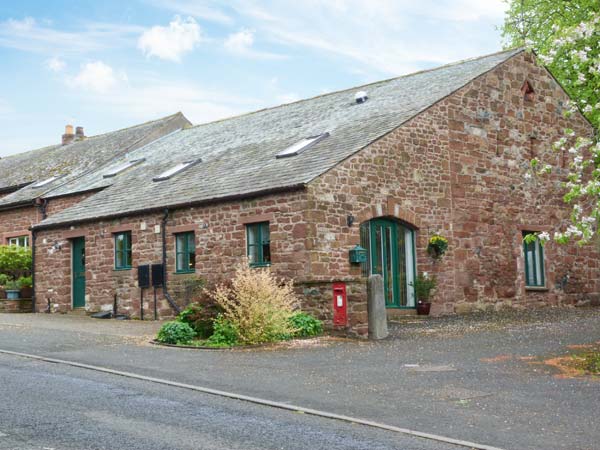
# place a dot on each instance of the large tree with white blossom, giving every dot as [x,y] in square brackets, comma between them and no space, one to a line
[565,34]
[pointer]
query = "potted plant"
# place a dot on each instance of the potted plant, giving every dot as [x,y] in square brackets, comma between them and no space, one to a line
[423,285]
[437,246]
[12,289]
[26,285]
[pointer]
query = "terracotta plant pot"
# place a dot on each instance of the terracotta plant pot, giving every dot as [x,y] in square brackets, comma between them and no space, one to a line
[423,308]
[26,292]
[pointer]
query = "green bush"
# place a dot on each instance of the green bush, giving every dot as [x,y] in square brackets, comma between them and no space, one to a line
[200,318]
[175,333]
[25,282]
[4,279]
[306,325]
[225,333]
[15,261]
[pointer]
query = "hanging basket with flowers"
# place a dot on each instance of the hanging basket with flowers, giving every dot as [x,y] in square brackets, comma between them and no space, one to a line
[437,246]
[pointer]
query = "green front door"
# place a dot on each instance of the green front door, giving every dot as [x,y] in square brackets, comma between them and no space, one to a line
[391,255]
[78,267]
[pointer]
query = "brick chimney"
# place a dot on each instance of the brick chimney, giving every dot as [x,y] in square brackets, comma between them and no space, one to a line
[68,137]
[79,136]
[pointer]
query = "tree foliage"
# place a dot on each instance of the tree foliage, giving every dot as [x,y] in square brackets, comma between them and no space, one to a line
[15,261]
[549,27]
[565,34]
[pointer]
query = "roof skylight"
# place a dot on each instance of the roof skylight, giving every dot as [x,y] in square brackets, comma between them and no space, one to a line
[122,167]
[46,181]
[176,169]
[301,146]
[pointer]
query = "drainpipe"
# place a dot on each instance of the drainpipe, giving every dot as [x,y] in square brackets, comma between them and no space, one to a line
[33,238]
[164,261]
[41,203]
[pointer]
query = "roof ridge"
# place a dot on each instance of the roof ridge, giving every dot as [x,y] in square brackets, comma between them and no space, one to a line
[516,50]
[51,146]
[171,116]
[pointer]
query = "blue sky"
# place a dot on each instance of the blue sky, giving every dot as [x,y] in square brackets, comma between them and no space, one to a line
[111,64]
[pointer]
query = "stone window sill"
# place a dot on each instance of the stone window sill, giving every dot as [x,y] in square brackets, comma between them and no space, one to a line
[537,288]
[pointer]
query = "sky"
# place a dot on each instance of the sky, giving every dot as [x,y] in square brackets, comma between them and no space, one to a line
[106,65]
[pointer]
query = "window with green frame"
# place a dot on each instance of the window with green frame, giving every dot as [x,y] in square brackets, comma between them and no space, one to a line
[259,244]
[185,252]
[123,250]
[534,262]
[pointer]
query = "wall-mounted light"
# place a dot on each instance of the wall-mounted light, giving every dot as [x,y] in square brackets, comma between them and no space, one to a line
[350,220]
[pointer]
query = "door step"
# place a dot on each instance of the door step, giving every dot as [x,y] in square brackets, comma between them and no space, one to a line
[78,312]
[394,313]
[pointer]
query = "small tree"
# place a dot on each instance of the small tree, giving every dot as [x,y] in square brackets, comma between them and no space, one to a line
[15,261]
[566,37]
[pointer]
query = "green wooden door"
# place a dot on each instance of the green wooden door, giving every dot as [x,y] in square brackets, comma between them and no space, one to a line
[392,257]
[78,271]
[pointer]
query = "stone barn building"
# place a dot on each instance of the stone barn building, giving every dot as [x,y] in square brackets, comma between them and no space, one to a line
[296,187]
[36,184]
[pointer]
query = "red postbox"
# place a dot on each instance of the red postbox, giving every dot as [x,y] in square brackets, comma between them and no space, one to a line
[340,310]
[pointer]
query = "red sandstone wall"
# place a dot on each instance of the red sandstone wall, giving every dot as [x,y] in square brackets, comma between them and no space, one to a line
[457,169]
[16,222]
[220,245]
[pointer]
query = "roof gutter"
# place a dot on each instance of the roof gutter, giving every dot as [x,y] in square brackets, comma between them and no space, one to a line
[155,209]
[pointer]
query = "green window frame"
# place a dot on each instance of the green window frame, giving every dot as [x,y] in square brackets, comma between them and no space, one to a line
[123,250]
[258,244]
[185,252]
[534,262]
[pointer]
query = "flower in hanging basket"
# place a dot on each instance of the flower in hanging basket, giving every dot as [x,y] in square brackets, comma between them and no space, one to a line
[437,245]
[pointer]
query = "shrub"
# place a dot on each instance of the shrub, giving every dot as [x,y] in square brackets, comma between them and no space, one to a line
[306,325]
[15,261]
[25,282]
[4,279]
[258,305]
[225,333]
[175,333]
[200,317]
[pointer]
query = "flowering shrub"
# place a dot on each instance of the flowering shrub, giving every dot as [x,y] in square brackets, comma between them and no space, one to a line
[572,51]
[257,305]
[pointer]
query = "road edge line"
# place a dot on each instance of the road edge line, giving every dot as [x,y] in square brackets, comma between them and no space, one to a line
[258,401]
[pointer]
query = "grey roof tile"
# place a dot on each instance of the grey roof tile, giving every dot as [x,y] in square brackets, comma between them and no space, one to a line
[73,160]
[238,154]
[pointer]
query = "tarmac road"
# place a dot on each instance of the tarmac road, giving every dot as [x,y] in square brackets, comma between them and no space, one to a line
[47,406]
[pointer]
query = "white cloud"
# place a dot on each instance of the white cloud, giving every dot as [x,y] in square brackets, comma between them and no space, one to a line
[379,36]
[96,76]
[29,35]
[172,41]
[55,64]
[204,10]
[241,44]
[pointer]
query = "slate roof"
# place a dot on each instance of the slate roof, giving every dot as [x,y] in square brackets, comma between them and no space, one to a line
[75,159]
[239,154]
